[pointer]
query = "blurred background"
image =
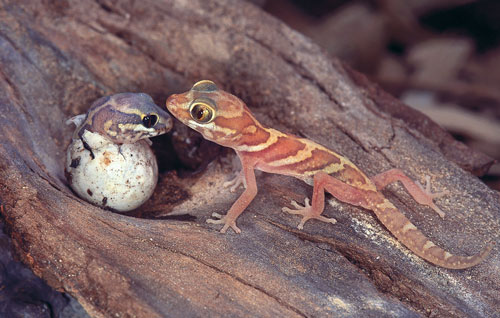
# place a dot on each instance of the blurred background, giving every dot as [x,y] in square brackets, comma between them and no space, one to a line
[441,57]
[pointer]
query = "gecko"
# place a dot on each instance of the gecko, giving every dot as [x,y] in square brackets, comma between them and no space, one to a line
[225,119]
[122,118]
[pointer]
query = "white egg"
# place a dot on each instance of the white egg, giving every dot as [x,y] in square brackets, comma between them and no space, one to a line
[120,177]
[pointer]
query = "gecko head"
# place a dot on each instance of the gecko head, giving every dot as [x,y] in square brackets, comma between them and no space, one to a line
[127,118]
[216,114]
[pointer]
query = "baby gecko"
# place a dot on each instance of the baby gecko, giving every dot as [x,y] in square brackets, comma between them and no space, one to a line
[122,118]
[225,119]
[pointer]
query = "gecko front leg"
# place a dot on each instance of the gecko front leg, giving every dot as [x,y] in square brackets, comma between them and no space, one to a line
[234,183]
[229,220]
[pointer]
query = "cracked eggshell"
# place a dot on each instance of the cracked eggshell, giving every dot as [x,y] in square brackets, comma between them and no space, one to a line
[120,177]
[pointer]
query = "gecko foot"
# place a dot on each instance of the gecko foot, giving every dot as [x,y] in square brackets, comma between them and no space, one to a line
[223,219]
[429,196]
[234,183]
[307,213]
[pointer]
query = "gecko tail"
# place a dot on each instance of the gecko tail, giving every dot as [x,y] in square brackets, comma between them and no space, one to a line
[408,234]
[479,257]
[462,262]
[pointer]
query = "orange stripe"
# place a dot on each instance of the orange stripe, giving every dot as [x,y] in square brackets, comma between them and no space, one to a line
[260,136]
[318,160]
[235,123]
[284,147]
[238,124]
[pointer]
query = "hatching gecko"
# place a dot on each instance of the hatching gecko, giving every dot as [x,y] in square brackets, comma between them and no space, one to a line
[225,119]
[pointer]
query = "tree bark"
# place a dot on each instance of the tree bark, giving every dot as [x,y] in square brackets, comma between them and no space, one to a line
[56,57]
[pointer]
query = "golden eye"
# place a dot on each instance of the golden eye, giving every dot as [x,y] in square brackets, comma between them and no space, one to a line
[204,86]
[202,112]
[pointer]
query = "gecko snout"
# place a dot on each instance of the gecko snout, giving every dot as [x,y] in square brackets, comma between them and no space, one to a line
[172,102]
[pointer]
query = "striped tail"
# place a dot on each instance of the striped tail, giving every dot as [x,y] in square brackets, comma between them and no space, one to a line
[418,243]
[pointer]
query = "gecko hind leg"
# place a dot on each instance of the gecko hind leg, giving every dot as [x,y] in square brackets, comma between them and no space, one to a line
[422,194]
[307,213]
[322,182]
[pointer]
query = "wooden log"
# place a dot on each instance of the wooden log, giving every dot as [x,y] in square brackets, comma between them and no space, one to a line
[57,57]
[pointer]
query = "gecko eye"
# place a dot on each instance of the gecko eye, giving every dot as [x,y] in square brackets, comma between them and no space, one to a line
[202,112]
[150,120]
[204,86]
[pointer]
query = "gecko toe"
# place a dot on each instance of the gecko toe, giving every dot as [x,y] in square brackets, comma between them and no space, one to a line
[215,221]
[235,183]
[222,219]
[231,225]
[326,220]
[428,183]
[296,205]
[439,194]
[236,229]
[292,211]
[428,197]
[438,210]
[224,229]
[302,222]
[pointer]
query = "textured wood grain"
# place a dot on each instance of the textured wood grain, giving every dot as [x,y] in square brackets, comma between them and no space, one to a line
[57,57]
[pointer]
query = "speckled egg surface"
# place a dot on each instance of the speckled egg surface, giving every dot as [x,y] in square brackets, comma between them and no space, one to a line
[109,161]
[120,177]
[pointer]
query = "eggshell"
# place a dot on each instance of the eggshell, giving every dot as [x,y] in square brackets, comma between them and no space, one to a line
[120,177]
